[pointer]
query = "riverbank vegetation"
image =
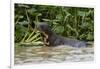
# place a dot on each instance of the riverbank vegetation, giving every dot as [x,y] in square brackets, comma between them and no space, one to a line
[71,22]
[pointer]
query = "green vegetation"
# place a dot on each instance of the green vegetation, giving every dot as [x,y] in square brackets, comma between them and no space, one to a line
[72,22]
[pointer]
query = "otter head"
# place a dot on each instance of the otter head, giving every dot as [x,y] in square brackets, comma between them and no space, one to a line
[43,28]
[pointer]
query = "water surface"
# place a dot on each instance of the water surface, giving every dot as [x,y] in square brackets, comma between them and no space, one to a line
[40,54]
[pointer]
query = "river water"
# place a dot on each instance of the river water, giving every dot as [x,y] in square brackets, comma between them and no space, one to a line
[40,54]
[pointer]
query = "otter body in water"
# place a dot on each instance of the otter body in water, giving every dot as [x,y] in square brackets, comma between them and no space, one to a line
[52,39]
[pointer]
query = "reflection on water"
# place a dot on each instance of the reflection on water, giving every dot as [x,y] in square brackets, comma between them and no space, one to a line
[39,54]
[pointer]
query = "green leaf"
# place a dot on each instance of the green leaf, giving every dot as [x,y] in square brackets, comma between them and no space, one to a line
[59,29]
[90,36]
[81,13]
[59,17]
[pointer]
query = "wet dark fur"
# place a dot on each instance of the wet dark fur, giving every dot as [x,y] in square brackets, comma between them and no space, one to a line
[52,39]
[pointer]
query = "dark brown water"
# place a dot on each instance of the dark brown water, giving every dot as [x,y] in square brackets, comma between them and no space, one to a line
[39,54]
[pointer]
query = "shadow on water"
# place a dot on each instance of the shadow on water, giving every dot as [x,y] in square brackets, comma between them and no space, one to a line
[40,54]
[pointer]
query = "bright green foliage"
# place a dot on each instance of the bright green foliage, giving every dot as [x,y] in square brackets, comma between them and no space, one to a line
[72,22]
